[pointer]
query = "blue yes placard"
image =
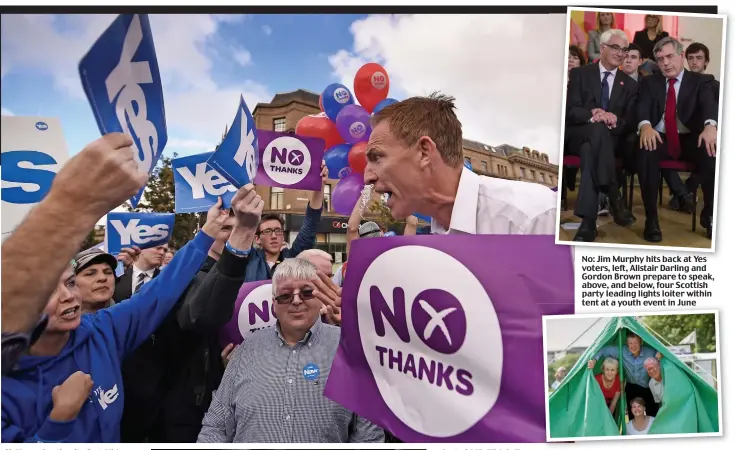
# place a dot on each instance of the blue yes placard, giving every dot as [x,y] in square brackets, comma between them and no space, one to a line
[197,185]
[144,230]
[237,156]
[123,85]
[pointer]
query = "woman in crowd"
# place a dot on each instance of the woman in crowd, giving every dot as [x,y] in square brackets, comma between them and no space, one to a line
[69,387]
[576,58]
[609,382]
[167,257]
[95,279]
[561,372]
[647,38]
[605,21]
[640,423]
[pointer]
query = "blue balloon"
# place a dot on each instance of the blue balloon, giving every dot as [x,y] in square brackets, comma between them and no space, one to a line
[383,104]
[336,160]
[335,97]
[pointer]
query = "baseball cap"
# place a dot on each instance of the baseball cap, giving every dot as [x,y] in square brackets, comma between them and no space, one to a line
[93,256]
[369,229]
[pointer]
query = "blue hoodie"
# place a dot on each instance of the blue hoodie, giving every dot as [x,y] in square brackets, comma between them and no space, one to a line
[97,347]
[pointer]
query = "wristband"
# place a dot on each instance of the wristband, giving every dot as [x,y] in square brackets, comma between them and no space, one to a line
[235,251]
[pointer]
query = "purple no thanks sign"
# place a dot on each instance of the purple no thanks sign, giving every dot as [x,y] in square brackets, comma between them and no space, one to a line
[253,311]
[289,161]
[443,335]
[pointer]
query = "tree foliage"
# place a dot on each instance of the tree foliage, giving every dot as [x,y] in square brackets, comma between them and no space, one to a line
[159,198]
[90,241]
[674,328]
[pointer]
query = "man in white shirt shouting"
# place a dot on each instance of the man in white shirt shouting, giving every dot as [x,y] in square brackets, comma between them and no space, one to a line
[415,156]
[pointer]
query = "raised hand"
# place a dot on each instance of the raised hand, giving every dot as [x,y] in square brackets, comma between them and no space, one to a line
[128,255]
[216,217]
[248,206]
[100,177]
[227,353]
[69,397]
[331,297]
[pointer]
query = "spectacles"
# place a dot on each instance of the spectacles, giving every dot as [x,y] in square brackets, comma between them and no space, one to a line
[617,48]
[269,231]
[285,299]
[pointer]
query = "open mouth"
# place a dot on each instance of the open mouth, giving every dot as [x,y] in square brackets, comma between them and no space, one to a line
[70,313]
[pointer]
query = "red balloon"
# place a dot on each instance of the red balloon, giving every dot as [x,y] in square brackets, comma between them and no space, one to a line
[319,126]
[356,157]
[371,85]
[321,105]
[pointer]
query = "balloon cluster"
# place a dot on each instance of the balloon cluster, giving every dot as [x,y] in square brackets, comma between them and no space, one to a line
[345,128]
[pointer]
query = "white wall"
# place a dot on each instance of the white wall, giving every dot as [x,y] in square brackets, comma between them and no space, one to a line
[707,31]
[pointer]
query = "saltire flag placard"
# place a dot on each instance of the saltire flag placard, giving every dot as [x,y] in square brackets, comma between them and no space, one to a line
[452,349]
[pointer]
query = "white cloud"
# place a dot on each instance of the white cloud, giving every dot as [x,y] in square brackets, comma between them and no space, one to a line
[267,30]
[6,112]
[196,105]
[242,57]
[505,74]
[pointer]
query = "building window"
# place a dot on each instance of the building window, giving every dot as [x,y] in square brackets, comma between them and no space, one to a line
[327,197]
[484,166]
[551,179]
[279,124]
[543,178]
[468,160]
[499,171]
[523,172]
[533,175]
[276,198]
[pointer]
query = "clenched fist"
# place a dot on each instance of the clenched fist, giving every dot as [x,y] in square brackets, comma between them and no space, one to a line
[69,397]
[102,176]
[247,206]
[216,217]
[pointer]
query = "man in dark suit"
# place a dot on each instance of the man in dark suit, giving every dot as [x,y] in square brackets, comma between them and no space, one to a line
[677,119]
[143,270]
[600,108]
[697,56]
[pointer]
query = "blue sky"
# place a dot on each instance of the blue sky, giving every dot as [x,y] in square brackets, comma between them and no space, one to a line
[207,61]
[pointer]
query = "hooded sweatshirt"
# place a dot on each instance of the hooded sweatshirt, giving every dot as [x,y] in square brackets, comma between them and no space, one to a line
[97,347]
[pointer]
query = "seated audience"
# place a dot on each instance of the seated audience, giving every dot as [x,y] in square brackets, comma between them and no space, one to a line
[632,63]
[647,38]
[639,423]
[600,106]
[605,21]
[677,119]
[576,58]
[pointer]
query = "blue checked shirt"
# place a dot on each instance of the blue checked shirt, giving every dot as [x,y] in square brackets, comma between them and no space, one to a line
[265,396]
[634,370]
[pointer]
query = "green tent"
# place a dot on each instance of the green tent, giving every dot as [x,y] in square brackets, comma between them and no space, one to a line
[577,407]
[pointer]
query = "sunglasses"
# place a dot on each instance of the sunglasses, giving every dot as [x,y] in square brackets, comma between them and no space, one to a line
[285,299]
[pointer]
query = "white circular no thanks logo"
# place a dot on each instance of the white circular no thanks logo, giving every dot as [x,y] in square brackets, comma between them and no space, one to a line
[286,160]
[432,340]
[357,130]
[256,310]
[342,95]
[379,80]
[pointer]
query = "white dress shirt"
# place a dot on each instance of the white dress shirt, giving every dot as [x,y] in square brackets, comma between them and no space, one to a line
[486,205]
[136,274]
[657,390]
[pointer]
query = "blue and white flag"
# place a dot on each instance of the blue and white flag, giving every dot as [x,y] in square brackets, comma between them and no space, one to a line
[121,79]
[144,230]
[236,158]
[197,185]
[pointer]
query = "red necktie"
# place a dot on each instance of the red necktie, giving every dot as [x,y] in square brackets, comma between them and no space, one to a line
[672,130]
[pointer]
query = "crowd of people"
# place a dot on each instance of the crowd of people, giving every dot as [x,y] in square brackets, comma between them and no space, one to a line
[630,106]
[91,353]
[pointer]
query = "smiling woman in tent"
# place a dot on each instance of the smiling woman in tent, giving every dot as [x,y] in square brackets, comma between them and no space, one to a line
[609,382]
[640,423]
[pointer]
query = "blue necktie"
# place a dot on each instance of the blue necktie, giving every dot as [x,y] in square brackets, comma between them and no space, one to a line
[605,91]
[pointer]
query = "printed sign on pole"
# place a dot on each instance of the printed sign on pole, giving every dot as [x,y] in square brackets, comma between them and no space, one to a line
[121,79]
[452,349]
[33,151]
[236,158]
[197,185]
[144,230]
[290,161]
[253,311]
